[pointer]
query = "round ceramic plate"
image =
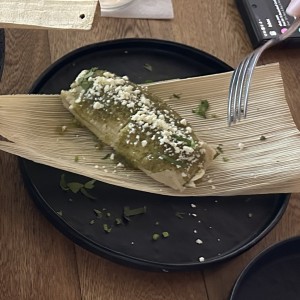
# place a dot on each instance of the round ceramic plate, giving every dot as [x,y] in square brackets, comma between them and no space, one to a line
[166,233]
[274,274]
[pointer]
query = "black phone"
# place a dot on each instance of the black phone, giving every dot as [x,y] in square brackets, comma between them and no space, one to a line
[264,19]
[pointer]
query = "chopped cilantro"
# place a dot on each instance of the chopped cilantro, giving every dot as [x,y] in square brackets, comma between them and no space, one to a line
[165,234]
[107,228]
[148,67]
[87,194]
[155,236]
[106,156]
[176,96]
[180,215]
[262,138]
[90,184]
[75,186]
[98,213]
[202,109]
[118,221]
[63,183]
[133,212]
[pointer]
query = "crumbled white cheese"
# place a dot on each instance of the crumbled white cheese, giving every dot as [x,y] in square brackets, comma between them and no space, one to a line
[97,105]
[199,242]
[201,259]
[241,146]
[144,143]
[183,122]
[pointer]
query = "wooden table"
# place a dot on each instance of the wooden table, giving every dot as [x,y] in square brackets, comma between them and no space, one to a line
[37,261]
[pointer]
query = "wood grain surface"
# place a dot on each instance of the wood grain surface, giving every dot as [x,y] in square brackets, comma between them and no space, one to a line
[36,261]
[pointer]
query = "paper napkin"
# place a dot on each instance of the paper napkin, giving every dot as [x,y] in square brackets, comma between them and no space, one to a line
[142,9]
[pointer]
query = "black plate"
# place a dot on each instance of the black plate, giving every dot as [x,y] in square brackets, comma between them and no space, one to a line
[274,274]
[226,225]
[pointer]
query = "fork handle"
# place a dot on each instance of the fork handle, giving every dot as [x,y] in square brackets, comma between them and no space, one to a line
[289,31]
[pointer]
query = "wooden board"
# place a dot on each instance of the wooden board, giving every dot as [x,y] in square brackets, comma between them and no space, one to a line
[60,14]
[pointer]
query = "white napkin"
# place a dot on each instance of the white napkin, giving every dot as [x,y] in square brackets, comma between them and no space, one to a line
[142,9]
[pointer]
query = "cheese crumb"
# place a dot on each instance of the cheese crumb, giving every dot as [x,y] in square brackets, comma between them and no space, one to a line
[144,143]
[241,146]
[97,105]
[199,242]
[201,259]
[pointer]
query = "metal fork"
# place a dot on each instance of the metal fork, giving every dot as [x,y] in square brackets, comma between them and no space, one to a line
[241,77]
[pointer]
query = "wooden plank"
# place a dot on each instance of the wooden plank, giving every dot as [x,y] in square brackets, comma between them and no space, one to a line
[215,27]
[102,280]
[61,14]
[36,261]
[224,276]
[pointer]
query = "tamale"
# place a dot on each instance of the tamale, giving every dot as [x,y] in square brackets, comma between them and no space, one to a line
[139,126]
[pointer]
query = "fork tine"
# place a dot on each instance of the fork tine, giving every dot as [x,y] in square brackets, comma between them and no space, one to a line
[235,92]
[231,96]
[242,76]
[241,83]
[252,63]
[237,89]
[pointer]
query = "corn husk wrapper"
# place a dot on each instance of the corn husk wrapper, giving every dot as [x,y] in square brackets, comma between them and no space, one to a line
[59,14]
[33,124]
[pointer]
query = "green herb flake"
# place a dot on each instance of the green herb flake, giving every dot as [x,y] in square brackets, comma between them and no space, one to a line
[106,228]
[60,213]
[148,67]
[202,109]
[85,84]
[134,212]
[225,159]
[214,116]
[188,142]
[90,184]
[85,193]
[165,234]
[180,215]
[176,96]
[262,138]
[92,222]
[63,182]
[106,156]
[76,158]
[219,150]
[98,213]
[75,186]
[118,221]
[155,236]
[148,81]
[172,160]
